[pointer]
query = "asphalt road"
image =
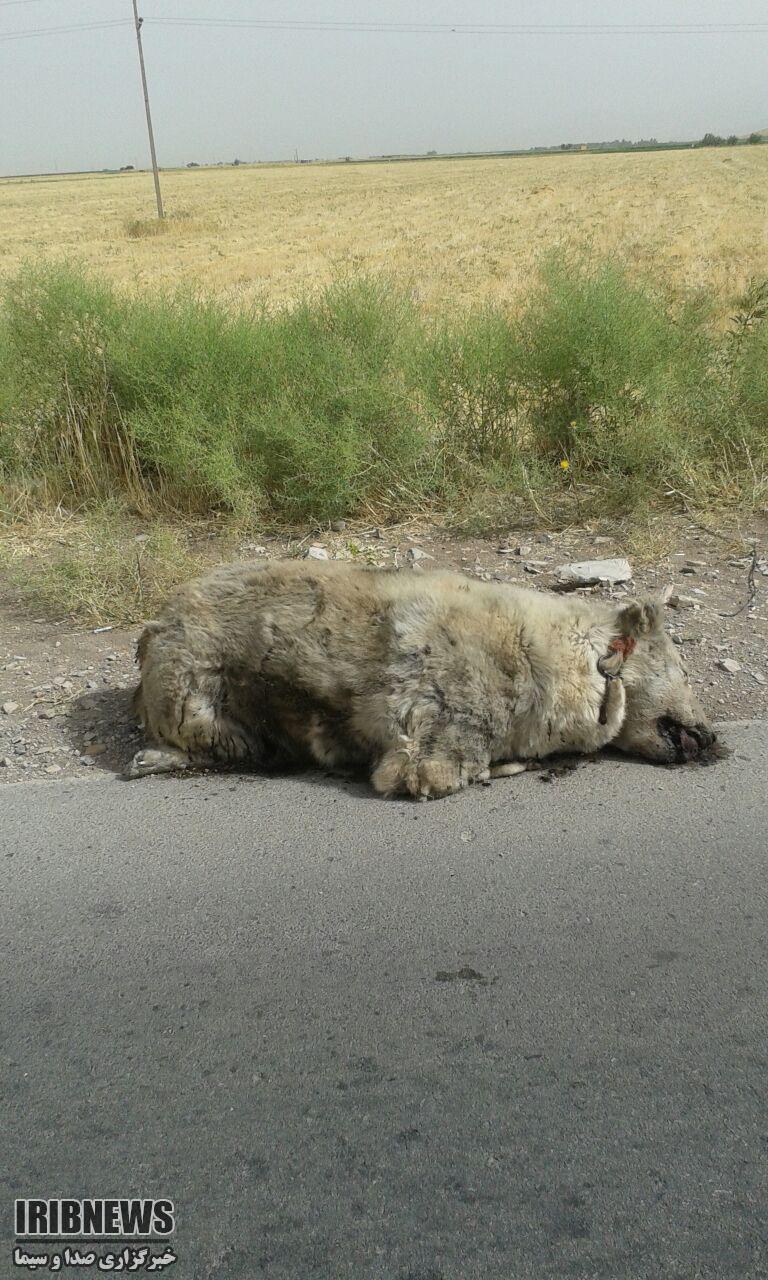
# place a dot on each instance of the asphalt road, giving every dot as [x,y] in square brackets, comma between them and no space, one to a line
[521,1033]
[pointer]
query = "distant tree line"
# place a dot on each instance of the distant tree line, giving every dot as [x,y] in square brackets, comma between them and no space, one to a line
[615,143]
[709,140]
[714,140]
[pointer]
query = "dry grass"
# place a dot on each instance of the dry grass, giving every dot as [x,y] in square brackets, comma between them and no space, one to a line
[458,229]
[180,225]
[100,568]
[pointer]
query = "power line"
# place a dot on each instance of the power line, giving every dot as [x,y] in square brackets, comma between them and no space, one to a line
[55,31]
[448,28]
[407,28]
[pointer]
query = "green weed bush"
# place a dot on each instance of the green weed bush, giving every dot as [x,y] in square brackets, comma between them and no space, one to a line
[352,399]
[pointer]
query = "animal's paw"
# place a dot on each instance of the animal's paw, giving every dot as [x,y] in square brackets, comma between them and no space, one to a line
[509,769]
[432,779]
[152,760]
[426,778]
[435,777]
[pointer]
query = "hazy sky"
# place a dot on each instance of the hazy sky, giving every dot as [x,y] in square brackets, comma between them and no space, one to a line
[73,100]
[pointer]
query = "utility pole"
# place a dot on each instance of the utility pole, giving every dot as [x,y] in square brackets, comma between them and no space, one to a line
[155,172]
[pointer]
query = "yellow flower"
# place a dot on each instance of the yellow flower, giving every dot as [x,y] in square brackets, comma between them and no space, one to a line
[564,464]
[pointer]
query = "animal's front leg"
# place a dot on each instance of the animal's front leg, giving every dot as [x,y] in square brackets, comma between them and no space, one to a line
[435,777]
[436,770]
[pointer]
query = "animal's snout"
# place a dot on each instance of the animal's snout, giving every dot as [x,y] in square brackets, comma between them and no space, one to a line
[689,741]
[705,736]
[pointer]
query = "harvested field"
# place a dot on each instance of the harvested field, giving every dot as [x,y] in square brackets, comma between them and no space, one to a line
[460,230]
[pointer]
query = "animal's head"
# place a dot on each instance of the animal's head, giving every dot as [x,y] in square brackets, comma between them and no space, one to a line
[664,719]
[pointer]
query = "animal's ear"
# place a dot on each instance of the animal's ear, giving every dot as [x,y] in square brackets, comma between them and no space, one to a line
[639,618]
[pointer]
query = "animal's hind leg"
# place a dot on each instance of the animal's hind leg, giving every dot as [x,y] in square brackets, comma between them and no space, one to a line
[186,726]
[162,760]
[188,711]
[201,740]
[208,733]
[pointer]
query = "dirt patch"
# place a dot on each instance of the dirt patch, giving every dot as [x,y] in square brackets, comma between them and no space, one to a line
[65,690]
[461,975]
[555,767]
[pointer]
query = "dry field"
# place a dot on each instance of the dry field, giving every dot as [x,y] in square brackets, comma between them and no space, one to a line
[458,229]
[278,461]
